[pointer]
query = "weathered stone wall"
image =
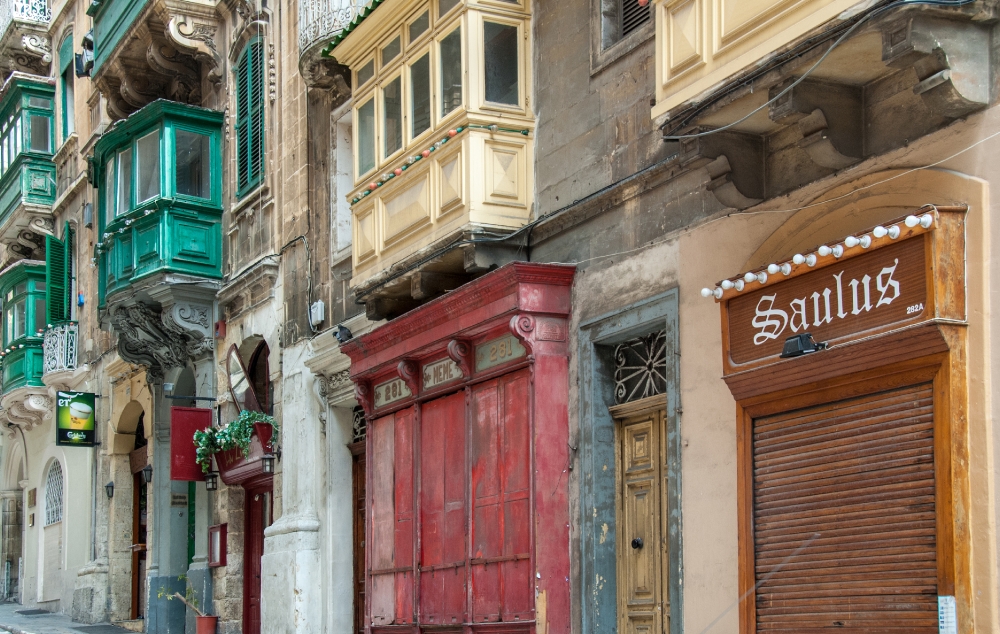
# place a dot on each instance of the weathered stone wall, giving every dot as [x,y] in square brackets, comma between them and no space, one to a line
[227,581]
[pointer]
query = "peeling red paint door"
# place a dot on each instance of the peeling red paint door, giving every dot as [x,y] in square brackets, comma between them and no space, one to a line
[442,511]
[501,483]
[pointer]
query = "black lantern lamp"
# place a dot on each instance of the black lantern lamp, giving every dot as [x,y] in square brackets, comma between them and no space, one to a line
[147,473]
[798,345]
[267,463]
[109,488]
[211,481]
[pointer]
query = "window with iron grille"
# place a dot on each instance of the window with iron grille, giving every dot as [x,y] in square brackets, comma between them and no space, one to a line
[250,117]
[641,367]
[54,494]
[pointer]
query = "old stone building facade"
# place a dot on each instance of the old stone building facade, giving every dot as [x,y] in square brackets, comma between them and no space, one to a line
[479,262]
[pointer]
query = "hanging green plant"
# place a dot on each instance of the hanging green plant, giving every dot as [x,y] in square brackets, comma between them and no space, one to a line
[236,434]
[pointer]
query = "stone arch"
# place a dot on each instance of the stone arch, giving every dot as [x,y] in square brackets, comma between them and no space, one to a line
[14,468]
[123,429]
[865,202]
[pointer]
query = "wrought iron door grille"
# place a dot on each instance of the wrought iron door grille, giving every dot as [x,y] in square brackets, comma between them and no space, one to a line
[641,367]
[360,424]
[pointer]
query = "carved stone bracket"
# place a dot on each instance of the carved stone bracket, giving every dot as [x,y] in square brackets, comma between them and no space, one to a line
[737,185]
[28,407]
[197,38]
[950,59]
[364,395]
[37,46]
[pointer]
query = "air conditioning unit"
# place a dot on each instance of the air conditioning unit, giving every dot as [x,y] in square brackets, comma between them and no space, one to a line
[317,313]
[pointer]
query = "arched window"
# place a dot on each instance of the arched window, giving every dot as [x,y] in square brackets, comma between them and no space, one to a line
[54,494]
[250,117]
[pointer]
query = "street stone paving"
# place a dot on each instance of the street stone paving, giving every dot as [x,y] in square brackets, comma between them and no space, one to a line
[47,623]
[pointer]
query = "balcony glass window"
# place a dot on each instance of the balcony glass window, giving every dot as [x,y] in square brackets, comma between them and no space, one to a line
[444,6]
[366,72]
[420,82]
[451,71]
[124,181]
[41,137]
[501,63]
[390,51]
[148,167]
[193,164]
[109,186]
[366,137]
[24,311]
[392,113]
[419,26]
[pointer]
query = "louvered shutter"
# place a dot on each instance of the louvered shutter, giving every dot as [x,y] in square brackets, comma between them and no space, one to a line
[633,16]
[68,243]
[858,475]
[250,117]
[55,281]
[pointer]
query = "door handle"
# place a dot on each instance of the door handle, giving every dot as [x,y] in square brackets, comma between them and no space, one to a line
[637,543]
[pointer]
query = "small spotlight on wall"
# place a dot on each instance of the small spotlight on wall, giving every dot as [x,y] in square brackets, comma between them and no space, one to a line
[211,481]
[798,345]
[147,473]
[267,463]
[109,488]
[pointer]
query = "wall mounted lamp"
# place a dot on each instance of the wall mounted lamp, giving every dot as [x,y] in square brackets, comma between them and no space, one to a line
[798,345]
[211,481]
[109,488]
[147,473]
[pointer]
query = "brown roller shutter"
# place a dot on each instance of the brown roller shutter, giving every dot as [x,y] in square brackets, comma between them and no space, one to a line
[857,478]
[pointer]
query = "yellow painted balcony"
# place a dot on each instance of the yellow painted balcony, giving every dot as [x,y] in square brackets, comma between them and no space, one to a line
[700,43]
[442,129]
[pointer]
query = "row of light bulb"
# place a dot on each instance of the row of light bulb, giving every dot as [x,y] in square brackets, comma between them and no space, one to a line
[893,231]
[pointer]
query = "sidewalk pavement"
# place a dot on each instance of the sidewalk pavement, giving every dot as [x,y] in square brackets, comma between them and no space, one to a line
[47,623]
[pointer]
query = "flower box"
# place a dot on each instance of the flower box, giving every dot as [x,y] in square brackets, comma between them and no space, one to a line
[234,468]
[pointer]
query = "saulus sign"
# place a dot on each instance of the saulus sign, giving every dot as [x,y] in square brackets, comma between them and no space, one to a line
[840,300]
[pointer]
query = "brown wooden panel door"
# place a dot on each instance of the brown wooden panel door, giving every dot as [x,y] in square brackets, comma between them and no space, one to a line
[359,475]
[642,551]
[256,518]
[844,516]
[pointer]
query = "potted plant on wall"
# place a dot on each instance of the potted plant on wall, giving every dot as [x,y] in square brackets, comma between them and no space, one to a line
[235,439]
[206,623]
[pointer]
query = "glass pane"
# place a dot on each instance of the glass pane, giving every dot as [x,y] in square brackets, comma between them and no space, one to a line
[124,180]
[366,137]
[39,102]
[39,133]
[420,83]
[445,6]
[501,62]
[392,119]
[39,316]
[390,51]
[8,333]
[192,164]
[366,72]
[148,172]
[109,188]
[68,105]
[419,26]
[20,317]
[21,288]
[451,71]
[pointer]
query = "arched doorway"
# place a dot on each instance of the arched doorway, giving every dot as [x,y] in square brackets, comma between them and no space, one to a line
[12,525]
[50,586]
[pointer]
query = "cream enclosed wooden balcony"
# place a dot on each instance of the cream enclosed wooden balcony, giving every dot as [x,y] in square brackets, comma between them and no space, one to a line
[700,43]
[442,141]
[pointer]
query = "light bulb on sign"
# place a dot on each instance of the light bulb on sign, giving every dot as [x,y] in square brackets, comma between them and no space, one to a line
[851,242]
[880,231]
[824,250]
[911,221]
[706,292]
[838,250]
[726,284]
[786,268]
[798,258]
[811,259]
[893,232]
[773,269]
[749,277]
[718,293]
[926,221]
[739,285]
[866,241]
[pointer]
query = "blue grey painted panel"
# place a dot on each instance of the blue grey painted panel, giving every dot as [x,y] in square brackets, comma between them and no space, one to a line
[597,453]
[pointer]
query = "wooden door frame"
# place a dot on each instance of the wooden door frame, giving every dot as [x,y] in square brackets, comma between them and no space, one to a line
[137,482]
[946,371]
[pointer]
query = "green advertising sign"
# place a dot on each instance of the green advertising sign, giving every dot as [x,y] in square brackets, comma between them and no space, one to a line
[75,419]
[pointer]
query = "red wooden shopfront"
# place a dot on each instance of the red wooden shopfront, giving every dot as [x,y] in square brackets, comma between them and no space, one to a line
[468,457]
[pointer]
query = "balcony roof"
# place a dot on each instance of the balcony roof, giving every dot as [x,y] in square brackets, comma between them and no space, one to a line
[19,80]
[353,24]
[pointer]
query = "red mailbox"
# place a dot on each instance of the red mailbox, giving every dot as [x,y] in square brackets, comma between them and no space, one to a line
[468,457]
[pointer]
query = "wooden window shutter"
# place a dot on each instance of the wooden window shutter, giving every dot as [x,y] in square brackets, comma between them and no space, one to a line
[844,515]
[633,16]
[250,117]
[55,281]
[68,242]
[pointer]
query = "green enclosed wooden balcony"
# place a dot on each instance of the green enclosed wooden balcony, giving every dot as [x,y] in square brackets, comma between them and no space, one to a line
[159,179]
[22,293]
[27,172]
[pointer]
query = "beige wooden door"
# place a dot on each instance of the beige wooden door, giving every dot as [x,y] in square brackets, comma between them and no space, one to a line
[642,534]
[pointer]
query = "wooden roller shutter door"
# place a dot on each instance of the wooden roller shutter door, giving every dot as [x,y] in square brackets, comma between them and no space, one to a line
[844,515]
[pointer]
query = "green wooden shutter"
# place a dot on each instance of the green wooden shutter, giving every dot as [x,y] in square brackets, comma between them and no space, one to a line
[55,281]
[68,242]
[250,117]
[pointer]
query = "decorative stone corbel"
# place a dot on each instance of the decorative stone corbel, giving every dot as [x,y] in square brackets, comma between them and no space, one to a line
[363,394]
[197,38]
[951,59]
[833,142]
[28,407]
[721,184]
[37,46]
[818,145]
